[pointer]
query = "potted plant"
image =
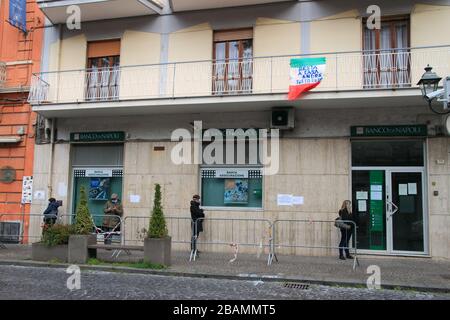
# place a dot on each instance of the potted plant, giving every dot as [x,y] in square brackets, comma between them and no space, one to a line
[157,244]
[83,227]
[53,244]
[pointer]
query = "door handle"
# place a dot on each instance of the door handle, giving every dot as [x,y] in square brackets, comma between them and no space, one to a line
[394,211]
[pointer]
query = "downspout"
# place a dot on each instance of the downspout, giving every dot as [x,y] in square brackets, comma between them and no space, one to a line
[52,152]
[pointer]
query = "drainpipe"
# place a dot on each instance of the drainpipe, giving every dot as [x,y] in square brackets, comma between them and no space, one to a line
[52,152]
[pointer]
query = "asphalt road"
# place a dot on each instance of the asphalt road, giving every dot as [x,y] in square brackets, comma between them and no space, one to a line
[40,283]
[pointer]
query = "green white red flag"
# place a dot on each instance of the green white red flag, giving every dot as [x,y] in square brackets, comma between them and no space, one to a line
[306,74]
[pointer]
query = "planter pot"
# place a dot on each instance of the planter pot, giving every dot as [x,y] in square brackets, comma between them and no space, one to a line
[158,250]
[78,248]
[41,252]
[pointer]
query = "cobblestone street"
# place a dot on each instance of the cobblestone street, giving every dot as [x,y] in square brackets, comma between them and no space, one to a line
[18,282]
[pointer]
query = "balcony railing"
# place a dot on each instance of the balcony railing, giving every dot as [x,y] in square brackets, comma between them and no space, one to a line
[390,69]
[2,73]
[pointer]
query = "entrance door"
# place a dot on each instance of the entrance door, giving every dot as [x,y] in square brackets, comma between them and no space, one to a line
[405,212]
[389,207]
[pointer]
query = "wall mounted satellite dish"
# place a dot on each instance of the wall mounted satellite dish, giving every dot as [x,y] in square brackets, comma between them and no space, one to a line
[7,174]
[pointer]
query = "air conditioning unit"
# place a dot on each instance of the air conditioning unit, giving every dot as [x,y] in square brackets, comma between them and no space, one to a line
[283,118]
[9,232]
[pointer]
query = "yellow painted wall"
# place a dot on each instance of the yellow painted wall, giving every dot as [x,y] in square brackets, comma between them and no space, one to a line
[139,48]
[273,38]
[72,56]
[276,37]
[191,44]
[430,25]
[339,33]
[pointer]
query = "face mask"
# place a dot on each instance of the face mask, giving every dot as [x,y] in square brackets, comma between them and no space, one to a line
[114,201]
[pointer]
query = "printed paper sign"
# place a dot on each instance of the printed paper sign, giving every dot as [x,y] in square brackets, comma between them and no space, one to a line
[376,195]
[284,199]
[402,189]
[298,200]
[412,188]
[376,187]
[362,205]
[362,195]
[135,198]
[39,195]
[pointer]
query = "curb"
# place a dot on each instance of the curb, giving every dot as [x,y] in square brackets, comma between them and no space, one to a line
[247,277]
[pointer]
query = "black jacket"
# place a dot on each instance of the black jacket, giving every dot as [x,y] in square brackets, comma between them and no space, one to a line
[197,213]
[343,213]
[52,209]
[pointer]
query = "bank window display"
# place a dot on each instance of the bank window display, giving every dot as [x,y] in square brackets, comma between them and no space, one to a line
[99,184]
[232,187]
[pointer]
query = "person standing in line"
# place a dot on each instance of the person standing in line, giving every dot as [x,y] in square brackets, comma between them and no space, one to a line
[197,216]
[347,229]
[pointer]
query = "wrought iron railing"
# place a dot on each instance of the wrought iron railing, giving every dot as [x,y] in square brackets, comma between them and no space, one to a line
[361,70]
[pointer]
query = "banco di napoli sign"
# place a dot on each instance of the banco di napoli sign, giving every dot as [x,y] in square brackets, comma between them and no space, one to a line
[389,131]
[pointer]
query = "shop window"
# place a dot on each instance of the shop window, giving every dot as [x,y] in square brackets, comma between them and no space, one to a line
[233,61]
[387,60]
[103,74]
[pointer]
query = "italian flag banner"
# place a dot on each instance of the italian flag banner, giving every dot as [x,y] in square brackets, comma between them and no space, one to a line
[306,74]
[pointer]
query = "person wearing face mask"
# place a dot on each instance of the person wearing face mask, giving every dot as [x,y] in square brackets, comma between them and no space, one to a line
[197,216]
[112,209]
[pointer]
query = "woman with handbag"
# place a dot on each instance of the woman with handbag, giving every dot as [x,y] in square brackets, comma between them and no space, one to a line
[347,229]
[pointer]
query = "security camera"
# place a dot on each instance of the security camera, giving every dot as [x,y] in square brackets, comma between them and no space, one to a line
[434,94]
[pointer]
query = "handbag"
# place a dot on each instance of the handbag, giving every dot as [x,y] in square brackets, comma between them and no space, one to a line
[338,223]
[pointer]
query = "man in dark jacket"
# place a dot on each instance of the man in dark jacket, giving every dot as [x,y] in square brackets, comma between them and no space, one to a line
[51,213]
[197,216]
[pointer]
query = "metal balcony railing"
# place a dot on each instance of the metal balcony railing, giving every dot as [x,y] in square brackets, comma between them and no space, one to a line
[389,69]
[2,74]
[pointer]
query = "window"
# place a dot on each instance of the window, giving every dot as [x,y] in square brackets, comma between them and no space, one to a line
[103,74]
[232,177]
[233,61]
[387,57]
[232,187]
[387,153]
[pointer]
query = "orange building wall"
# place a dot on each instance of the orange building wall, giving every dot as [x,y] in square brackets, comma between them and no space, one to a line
[23,53]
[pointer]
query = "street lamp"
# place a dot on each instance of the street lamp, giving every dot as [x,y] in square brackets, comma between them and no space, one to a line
[429,86]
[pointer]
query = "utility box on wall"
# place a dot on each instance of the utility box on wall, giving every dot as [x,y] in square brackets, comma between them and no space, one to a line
[283,118]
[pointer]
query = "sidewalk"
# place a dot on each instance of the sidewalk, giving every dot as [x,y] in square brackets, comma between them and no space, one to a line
[422,274]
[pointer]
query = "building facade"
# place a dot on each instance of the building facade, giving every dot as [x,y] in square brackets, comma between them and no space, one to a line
[114,91]
[20,55]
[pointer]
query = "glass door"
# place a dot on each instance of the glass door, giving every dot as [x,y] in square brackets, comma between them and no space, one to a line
[390,210]
[405,212]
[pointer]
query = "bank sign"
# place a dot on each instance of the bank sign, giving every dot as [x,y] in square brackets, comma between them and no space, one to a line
[389,131]
[117,136]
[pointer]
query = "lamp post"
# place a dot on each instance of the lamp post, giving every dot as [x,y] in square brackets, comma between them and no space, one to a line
[429,86]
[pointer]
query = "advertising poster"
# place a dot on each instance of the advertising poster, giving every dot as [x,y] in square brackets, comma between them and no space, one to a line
[236,191]
[99,188]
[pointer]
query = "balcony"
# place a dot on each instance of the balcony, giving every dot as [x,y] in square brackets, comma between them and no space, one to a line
[91,10]
[188,5]
[351,75]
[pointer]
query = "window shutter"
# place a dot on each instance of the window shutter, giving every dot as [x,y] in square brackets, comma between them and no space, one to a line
[230,35]
[105,48]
